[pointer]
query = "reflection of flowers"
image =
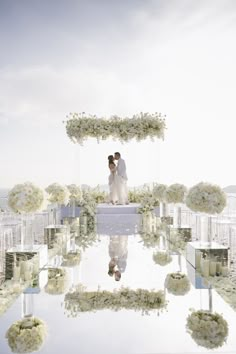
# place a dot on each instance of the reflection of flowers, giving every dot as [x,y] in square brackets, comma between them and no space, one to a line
[71,259]
[177,283]
[57,281]
[209,330]
[176,193]
[177,242]
[162,258]
[151,239]
[124,298]
[58,194]
[25,198]
[206,198]
[87,233]
[26,335]
[79,127]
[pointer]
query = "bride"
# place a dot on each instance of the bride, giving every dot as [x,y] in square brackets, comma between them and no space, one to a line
[116,185]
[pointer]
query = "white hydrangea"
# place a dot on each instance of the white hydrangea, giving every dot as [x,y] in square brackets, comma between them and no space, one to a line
[162,258]
[57,193]
[209,330]
[206,198]
[25,198]
[159,192]
[79,127]
[57,281]
[176,193]
[26,335]
[177,283]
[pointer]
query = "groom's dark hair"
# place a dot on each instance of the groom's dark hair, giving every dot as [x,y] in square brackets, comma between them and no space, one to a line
[117,153]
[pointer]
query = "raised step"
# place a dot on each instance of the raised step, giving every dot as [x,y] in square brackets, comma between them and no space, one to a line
[118,209]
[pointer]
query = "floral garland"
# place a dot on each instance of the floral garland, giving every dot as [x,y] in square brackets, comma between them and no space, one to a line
[159,191]
[26,335]
[57,193]
[124,298]
[206,198]
[176,193]
[25,198]
[208,330]
[162,258]
[57,281]
[177,283]
[141,126]
[71,259]
[75,193]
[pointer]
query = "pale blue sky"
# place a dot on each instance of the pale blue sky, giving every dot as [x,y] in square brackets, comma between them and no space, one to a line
[117,57]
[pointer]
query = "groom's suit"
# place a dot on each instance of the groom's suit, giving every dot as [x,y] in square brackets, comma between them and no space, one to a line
[122,190]
[121,169]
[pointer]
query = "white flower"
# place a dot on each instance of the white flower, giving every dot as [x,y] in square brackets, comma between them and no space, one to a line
[209,330]
[177,283]
[71,259]
[26,335]
[162,258]
[58,194]
[80,127]
[140,299]
[25,198]
[57,281]
[75,193]
[206,198]
[159,191]
[176,193]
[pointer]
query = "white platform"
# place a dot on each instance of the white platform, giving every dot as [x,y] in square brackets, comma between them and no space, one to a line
[118,209]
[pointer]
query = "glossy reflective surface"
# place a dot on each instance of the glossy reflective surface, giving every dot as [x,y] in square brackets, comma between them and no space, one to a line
[124,331]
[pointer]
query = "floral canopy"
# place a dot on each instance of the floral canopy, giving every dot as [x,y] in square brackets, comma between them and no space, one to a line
[80,127]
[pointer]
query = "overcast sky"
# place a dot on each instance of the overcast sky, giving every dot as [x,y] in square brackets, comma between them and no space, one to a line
[121,57]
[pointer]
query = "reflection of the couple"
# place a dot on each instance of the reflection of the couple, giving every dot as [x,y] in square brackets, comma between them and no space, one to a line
[118,252]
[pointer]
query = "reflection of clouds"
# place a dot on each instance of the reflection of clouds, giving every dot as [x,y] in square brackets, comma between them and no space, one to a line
[118,249]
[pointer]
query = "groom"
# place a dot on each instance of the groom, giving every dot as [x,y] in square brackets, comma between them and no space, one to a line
[121,171]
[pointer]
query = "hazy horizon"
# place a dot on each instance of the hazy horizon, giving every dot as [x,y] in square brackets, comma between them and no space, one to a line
[108,57]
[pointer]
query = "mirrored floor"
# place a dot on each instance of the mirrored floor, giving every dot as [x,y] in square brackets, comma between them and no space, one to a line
[124,330]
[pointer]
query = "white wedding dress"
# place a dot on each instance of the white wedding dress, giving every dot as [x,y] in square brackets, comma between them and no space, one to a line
[117,188]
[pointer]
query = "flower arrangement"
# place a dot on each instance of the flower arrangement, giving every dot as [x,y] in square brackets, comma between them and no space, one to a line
[88,204]
[79,127]
[25,198]
[26,335]
[75,193]
[151,239]
[208,330]
[57,194]
[177,283]
[57,281]
[177,240]
[71,259]
[123,298]
[159,192]
[162,258]
[176,193]
[206,198]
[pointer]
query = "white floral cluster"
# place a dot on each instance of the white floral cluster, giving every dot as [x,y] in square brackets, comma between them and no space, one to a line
[71,259]
[176,193]
[177,283]
[25,198]
[26,335]
[162,258]
[123,298]
[75,193]
[9,291]
[151,239]
[159,192]
[176,241]
[57,281]
[79,127]
[88,204]
[57,193]
[209,330]
[206,198]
